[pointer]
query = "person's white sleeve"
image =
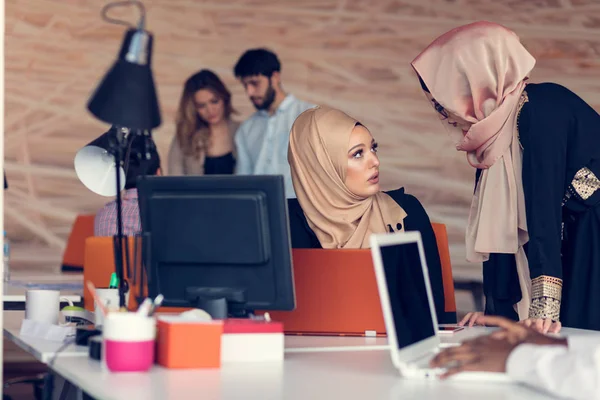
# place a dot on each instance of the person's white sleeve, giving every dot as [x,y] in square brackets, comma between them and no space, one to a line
[572,373]
[243,165]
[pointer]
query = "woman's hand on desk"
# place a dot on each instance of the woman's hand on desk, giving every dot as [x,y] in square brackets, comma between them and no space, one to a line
[471,319]
[542,325]
[518,333]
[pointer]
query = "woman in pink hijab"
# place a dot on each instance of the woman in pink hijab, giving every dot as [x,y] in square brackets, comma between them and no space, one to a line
[534,220]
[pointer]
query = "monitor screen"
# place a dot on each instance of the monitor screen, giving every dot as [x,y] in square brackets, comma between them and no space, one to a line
[217,233]
[407,293]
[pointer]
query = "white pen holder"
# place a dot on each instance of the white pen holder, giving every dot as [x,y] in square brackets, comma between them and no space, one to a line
[110,299]
[128,342]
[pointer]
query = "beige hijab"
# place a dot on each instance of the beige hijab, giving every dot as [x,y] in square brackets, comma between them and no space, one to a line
[318,157]
[478,72]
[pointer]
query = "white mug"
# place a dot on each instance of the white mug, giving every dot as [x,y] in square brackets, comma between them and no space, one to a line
[43,306]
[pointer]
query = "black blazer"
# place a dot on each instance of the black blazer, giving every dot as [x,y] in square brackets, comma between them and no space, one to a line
[416,220]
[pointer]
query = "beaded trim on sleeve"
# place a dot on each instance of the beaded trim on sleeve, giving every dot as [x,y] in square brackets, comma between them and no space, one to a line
[546,297]
[583,186]
[522,100]
[585,183]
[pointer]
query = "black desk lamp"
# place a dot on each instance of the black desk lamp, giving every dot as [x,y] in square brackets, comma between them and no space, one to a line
[126,98]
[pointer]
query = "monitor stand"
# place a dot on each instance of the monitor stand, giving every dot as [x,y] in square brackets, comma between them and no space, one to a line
[220,303]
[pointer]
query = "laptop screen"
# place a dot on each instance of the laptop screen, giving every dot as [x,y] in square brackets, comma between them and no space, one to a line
[407,293]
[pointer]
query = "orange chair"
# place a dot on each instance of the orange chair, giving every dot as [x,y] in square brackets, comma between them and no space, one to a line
[441,237]
[336,290]
[336,293]
[83,227]
[99,264]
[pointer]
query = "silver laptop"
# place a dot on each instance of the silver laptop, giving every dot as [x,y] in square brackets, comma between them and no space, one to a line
[411,323]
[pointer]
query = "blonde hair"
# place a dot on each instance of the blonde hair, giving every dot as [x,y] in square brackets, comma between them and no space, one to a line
[193,132]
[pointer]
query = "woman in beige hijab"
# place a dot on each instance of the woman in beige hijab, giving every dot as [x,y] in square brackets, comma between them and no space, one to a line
[534,219]
[335,172]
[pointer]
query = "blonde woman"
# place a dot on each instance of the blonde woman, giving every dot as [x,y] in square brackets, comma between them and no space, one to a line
[203,143]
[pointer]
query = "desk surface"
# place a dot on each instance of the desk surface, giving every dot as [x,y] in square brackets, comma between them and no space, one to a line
[43,350]
[314,368]
[327,375]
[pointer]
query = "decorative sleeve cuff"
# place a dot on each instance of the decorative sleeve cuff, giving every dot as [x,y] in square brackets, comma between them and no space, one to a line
[583,186]
[585,183]
[546,297]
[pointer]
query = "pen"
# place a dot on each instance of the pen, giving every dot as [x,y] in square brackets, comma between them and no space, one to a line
[157,302]
[114,281]
[99,302]
[265,317]
[145,307]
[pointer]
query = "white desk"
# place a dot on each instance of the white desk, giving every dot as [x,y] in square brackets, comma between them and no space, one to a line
[310,344]
[327,375]
[42,350]
[314,368]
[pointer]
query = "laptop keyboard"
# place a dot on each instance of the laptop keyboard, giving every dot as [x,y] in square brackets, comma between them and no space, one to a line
[423,361]
[422,364]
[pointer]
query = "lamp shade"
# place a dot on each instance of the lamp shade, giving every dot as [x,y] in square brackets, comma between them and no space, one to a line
[95,167]
[126,95]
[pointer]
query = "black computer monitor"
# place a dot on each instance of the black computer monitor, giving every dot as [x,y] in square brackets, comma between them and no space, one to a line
[220,242]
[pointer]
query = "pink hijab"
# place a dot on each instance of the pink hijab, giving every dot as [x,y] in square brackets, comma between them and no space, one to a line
[478,72]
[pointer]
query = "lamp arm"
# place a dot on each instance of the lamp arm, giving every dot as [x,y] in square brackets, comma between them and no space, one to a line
[120,240]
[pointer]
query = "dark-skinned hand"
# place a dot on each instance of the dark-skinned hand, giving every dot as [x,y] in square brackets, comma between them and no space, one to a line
[490,353]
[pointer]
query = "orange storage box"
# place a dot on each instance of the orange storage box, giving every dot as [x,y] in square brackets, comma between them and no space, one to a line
[190,344]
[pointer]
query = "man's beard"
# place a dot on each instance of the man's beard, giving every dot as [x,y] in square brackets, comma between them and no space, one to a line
[269,98]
